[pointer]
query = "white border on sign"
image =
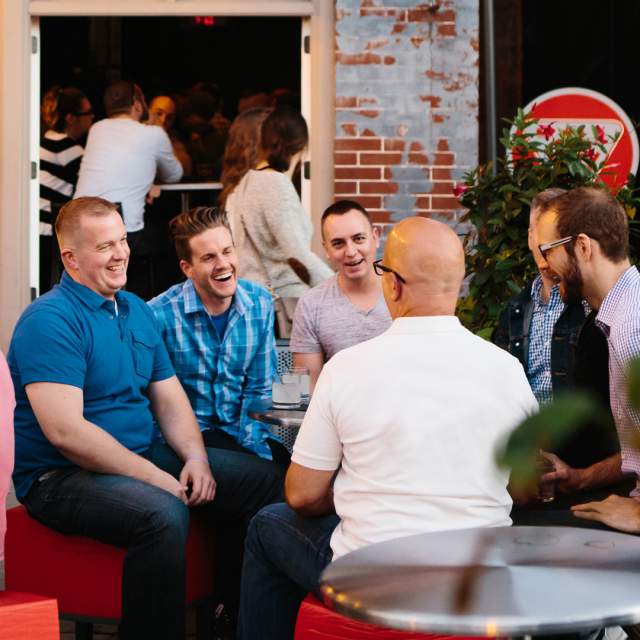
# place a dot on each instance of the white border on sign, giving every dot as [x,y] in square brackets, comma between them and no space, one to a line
[565,91]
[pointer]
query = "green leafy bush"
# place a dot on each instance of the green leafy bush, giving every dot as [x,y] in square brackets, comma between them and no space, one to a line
[498,201]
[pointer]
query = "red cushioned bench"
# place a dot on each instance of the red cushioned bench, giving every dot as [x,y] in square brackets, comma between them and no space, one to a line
[85,575]
[317,622]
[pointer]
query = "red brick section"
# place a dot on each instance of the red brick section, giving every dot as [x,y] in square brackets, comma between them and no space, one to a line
[367,164]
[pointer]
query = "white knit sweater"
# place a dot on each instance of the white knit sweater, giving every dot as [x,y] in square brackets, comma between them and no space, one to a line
[279,229]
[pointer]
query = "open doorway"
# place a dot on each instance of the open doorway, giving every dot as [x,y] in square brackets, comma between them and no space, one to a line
[212,68]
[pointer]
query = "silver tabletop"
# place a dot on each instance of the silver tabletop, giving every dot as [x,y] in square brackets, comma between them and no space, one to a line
[497,581]
[264,412]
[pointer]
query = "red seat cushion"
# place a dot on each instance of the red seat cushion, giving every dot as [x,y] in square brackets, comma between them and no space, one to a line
[86,575]
[317,622]
[24,616]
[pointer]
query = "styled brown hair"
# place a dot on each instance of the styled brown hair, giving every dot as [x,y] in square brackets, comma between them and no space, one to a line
[192,223]
[57,104]
[597,214]
[284,133]
[70,215]
[241,150]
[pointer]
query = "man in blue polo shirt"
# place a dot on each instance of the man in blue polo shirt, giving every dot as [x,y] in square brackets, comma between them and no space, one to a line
[218,331]
[91,374]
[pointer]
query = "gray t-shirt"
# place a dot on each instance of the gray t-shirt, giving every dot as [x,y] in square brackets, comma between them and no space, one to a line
[327,321]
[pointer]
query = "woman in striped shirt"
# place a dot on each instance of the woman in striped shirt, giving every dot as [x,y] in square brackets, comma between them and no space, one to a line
[67,116]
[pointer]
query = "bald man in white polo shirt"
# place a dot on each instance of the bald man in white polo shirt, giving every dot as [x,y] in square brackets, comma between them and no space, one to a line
[399,438]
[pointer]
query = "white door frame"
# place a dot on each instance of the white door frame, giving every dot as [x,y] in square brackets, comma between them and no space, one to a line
[19,127]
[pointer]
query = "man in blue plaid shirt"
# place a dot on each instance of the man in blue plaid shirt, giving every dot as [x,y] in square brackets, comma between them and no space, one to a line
[218,331]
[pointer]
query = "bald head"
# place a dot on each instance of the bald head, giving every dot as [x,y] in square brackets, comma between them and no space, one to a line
[429,256]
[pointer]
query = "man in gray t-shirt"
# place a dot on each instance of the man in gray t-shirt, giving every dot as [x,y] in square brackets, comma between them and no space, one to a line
[348,308]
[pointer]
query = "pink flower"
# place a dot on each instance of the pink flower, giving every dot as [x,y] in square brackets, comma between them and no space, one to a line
[545,130]
[459,189]
[601,137]
[591,154]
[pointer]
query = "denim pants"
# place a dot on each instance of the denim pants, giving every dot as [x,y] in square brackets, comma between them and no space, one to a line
[285,553]
[151,524]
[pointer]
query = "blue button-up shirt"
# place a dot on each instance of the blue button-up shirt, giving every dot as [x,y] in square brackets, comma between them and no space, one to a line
[619,318]
[74,336]
[222,375]
[543,319]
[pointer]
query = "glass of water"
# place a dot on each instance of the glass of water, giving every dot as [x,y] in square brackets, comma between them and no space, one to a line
[303,381]
[285,390]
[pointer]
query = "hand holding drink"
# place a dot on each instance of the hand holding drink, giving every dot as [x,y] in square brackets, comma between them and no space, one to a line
[546,487]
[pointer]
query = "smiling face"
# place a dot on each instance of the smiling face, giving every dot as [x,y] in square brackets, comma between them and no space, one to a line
[97,254]
[162,112]
[212,268]
[558,262]
[350,243]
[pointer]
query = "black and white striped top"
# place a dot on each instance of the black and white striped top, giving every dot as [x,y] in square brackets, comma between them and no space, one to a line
[60,158]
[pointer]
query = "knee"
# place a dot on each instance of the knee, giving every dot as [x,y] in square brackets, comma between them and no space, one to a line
[168,518]
[266,525]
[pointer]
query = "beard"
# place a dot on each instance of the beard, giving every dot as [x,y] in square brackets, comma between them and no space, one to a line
[572,285]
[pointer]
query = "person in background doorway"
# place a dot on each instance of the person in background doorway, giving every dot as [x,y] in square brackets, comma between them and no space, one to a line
[162,112]
[67,115]
[241,151]
[271,228]
[121,162]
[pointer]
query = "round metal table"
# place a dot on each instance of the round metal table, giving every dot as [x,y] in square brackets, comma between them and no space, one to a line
[491,581]
[284,422]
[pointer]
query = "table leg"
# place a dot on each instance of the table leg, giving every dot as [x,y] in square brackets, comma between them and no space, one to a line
[184,201]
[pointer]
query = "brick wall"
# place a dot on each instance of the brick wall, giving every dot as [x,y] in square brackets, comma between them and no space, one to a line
[406,104]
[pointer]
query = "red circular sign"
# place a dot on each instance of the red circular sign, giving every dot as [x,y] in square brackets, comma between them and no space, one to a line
[573,106]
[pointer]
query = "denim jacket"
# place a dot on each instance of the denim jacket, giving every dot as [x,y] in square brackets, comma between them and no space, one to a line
[512,334]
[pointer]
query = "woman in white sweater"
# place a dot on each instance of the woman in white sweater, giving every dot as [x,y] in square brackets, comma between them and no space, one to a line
[272,231]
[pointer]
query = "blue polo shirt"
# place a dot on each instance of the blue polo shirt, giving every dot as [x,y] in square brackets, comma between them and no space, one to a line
[74,336]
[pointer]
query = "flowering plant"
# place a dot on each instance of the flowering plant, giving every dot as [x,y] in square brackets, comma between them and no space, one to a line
[498,198]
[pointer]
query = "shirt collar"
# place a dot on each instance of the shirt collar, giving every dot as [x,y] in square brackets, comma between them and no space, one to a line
[536,292]
[420,324]
[88,297]
[192,303]
[607,312]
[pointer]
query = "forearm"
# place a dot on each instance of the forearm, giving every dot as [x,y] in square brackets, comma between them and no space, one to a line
[176,420]
[601,473]
[320,506]
[92,448]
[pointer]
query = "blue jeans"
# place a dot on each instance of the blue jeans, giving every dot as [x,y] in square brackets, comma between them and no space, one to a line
[151,524]
[284,556]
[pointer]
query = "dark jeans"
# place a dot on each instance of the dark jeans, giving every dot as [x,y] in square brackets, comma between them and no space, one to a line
[152,525]
[285,553]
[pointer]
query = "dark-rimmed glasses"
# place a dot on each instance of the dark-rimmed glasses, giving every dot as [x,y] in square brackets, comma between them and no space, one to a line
[88,112]
[547,246]
[381,269]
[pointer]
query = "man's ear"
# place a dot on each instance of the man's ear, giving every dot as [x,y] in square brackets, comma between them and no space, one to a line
[68,259]
[584,246]
[396,288]
[186,268]
[375,231]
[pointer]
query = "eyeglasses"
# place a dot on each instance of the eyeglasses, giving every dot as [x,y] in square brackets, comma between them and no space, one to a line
[547,246]
[381,269]
[89,112]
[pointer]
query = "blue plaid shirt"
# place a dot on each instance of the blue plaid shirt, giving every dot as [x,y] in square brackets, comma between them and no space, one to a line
[222,376]
[619,319]
[543,320]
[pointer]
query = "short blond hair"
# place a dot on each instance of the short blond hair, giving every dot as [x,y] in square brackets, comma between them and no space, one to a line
[71,214]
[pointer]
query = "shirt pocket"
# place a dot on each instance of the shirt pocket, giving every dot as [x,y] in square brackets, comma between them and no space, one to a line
[143,350]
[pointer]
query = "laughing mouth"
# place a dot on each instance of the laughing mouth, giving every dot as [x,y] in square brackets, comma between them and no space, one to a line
[223,277]
[354,264]
[116,268]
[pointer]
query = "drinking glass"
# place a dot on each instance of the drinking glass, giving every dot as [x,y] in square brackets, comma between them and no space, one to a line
[285,390]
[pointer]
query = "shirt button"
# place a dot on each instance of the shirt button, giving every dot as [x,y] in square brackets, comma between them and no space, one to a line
[517,344]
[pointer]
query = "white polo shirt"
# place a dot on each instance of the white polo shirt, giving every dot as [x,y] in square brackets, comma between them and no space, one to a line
[412,420]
